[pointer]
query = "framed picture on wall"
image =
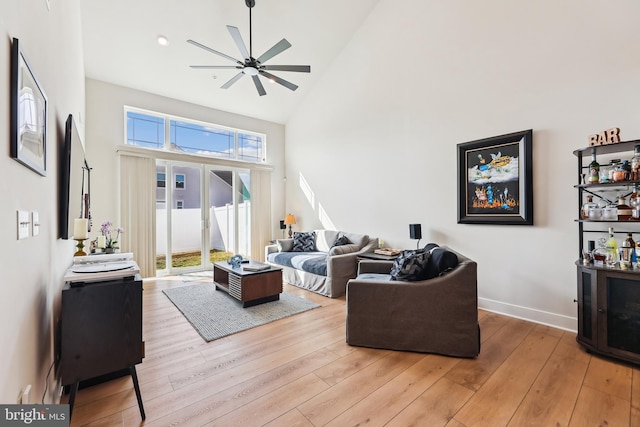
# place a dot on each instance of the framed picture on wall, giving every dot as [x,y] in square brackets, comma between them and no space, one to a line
[495,180]
[28,114]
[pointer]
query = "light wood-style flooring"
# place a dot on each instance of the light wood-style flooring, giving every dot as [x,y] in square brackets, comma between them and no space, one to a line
[299,371]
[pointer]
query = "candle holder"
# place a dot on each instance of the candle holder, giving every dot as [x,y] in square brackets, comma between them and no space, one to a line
[80,247]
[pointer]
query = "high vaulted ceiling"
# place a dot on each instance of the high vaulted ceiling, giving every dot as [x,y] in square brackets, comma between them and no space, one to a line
[120,47]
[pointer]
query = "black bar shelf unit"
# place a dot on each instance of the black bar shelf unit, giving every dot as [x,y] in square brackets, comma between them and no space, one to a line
[608,298]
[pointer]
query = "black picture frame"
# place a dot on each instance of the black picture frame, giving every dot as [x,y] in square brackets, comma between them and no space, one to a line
[495,180]
[28,114]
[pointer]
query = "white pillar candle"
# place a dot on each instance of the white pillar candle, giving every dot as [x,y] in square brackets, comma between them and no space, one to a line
[102,241]
[80,226]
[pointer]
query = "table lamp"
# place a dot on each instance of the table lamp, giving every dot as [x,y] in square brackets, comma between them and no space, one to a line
[415,232]
[290,219]
[283,227]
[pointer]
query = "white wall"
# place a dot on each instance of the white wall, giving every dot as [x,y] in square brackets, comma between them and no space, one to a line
[106,130]
[31,270]
[375,142]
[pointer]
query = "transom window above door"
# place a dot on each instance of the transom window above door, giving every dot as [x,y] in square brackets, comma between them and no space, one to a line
[148,130]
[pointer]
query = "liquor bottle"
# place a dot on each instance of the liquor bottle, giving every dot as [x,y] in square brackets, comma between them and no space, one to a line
[584,213]
[612,248]
[624,210]
[634,203]
[594,170]
[635,164]
[629,249]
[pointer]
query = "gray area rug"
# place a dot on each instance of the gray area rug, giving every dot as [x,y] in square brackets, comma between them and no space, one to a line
[215,314]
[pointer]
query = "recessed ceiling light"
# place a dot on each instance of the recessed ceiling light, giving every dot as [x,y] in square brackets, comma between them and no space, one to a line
[162,40]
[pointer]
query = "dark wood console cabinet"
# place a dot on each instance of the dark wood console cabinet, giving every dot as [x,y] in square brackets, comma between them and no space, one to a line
[101,331]
[609,312]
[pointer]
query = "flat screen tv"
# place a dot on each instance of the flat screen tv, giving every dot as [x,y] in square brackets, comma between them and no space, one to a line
[75,181]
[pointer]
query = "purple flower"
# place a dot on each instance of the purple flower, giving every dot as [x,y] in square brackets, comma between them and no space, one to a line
[105,230]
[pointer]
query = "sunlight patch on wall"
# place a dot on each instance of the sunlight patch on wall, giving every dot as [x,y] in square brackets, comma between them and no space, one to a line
[324,219]
[306,189]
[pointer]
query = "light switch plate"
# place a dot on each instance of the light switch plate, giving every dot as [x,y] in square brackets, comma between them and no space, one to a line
[35,222]
[23,224]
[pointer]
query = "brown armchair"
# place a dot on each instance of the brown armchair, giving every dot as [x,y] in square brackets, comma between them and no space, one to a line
[439,315]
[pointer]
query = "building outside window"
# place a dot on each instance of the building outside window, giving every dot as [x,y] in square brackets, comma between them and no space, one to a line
[161,180]
[180,181]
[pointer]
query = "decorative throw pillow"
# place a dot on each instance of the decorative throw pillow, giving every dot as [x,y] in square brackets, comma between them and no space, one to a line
[344,249]
[304,241]
[440,262]
[409,265]
[340,241]
[285,245]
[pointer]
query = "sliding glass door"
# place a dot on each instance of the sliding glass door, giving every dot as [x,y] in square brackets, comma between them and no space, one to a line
[203,215]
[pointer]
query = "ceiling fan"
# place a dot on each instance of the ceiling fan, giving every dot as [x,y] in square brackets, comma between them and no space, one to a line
[251,66]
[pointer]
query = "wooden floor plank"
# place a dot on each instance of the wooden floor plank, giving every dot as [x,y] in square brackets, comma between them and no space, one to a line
[204,409]
[610,378]
[273,405]
[348,365]
[597,408]
[635,398]
[390,399]
[328,405]
[293,418]
[472,373]
[551,400]
[435,407]
[509,384]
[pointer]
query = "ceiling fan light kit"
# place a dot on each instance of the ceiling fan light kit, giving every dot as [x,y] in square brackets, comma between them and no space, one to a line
[251,66]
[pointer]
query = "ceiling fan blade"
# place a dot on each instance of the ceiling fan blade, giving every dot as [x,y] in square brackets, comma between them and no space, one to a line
[235,78]
[277,48]
[235,35]
[215,67]
[208,49]
[296,68]
[277,79]
[256,81]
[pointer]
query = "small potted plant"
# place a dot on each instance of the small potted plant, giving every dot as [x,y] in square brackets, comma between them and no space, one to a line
[108,239]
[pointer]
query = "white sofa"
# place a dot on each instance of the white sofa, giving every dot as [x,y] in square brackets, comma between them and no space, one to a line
[325,270]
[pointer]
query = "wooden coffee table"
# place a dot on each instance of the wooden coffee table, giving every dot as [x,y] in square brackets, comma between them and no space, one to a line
[248,287]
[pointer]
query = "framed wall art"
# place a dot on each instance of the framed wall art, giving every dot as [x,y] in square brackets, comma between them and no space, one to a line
[495,180]
[28,114]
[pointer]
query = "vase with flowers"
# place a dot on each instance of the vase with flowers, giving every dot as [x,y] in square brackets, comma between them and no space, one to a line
[109,235]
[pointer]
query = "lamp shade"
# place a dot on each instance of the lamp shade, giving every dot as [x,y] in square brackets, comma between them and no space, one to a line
[415,231]
[290,219]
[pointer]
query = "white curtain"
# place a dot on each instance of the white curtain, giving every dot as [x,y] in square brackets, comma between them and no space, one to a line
[137,210]
[260,212]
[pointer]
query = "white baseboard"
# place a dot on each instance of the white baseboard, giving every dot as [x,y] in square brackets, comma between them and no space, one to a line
[554,320]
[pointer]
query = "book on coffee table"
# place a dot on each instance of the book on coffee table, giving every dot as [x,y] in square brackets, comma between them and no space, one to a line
[256,266]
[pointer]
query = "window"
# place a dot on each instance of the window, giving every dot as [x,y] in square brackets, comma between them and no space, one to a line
[148,130]
[145,131]
[180,181]
[161,180]
[179,204]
